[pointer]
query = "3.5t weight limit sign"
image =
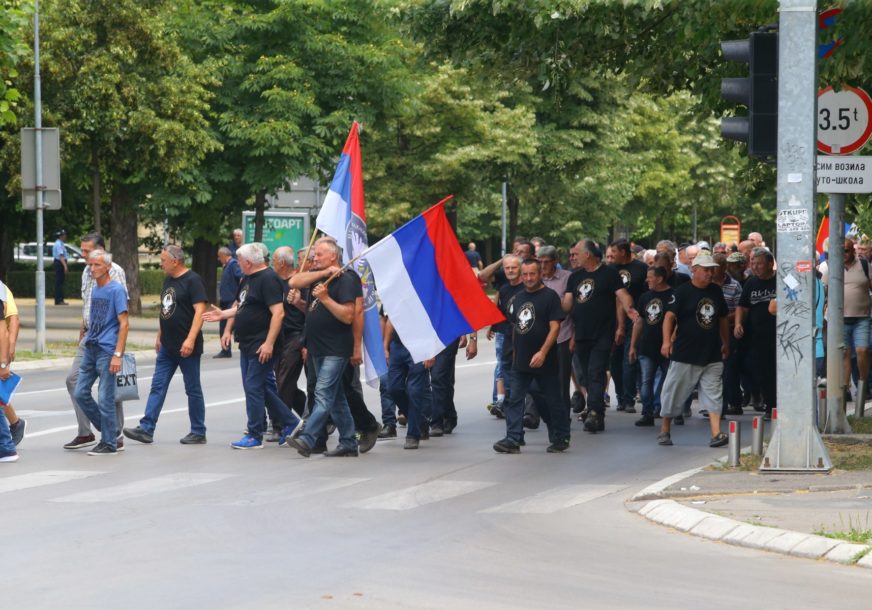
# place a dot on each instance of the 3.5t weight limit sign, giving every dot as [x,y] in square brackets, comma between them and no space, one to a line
[843,120]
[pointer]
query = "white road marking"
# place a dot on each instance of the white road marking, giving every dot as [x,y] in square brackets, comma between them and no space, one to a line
[146,487]
[421,495]
[42,478]
[137,416]
[291,491]
[553,500]
[64,388]
[662,484]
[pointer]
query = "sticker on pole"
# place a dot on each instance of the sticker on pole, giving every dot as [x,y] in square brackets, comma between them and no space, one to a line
[843,120]
[792,221]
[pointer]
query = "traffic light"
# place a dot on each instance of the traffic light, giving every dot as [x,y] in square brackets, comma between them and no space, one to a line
[758,91]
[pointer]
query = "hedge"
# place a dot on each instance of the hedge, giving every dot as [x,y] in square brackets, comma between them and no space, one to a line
[23,283]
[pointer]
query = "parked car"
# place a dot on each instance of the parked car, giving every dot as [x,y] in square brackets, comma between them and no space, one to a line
[26,253]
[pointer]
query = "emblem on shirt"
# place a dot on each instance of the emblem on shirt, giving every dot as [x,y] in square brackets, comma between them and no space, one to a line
[625,277]
[654,311]
[242,294]
[526,318]
[168,303]
[355,241]
[584,291]
[705,313]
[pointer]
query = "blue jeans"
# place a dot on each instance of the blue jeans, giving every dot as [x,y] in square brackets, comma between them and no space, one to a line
[499,338]
[653,375]
[164,369]
[442,382]
[258,382]
[388,407]
[330,403]
[543,386]
[95,363]
[409,385]
[7,445]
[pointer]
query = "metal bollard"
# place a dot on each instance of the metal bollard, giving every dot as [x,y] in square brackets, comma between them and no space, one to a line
[735,444]
[757,435]
[822,408]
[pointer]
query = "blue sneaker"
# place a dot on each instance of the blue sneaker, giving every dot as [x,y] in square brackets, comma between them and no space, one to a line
[247,442]
[289,430]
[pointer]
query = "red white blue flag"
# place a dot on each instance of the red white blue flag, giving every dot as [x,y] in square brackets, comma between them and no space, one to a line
[343,218]
[426,285]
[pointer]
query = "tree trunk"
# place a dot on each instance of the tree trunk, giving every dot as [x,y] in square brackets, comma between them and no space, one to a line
[125,244]
[203,261]
[7,245]
[95,190]
[513,203]
[451,214]
[259,205]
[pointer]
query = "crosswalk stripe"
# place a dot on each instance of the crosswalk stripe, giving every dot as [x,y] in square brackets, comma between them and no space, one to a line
[292,491]
[553,500]
[42,478]
[146,487]
[421,495]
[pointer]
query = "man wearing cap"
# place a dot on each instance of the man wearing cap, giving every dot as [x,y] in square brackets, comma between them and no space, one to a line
[59,261]
[696,349]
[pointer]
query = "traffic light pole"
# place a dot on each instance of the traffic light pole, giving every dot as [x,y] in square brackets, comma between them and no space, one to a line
[796,444]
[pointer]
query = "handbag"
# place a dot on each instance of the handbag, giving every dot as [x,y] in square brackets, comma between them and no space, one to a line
[126,386]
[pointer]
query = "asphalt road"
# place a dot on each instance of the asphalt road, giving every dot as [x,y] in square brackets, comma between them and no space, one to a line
[452,525]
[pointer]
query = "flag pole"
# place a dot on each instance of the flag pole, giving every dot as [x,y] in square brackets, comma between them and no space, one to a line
[306,258]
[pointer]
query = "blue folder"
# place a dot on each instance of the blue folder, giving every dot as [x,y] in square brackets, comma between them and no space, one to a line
[8,387]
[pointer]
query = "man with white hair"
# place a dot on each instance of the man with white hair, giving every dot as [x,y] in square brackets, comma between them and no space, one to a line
[103,348]
[179,344]
[257,321]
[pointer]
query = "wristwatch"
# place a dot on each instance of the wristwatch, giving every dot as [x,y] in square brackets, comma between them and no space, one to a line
[3,365]
[117,354]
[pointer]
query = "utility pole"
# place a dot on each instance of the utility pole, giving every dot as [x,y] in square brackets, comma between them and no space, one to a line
[39,188]
[836,422]
[796,444]
[505,204]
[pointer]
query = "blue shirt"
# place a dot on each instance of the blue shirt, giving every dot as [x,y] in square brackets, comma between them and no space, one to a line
[230,281]
[58,250]
[107,303]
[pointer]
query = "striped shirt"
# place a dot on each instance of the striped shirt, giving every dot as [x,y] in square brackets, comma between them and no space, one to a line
[732,291]
[116,274]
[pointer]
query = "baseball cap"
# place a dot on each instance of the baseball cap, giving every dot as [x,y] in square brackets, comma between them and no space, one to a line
[704,260]
[704,245]
[736,257]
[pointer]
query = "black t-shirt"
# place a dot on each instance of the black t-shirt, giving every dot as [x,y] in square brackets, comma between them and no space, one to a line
[756,294]
[325,335]
[698,312]
[677,279]
[633,276]
[532,312]
[593,294]
[473,257]
[257,292]
[505,298]
[652,306]
[177,300]
[294,320]
[500,279]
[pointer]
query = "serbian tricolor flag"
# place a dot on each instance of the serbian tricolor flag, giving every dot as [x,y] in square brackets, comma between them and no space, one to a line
[343,218]
[426,285]
[822,234]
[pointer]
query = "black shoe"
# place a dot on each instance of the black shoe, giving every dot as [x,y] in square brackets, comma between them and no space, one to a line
[436,431]
[341,451]
[425,432]
[17,431]
[621,407]
[223,355]
[507,445]
[735,410]
[103,449]
[645,420]
[449,427]
[629,408]
[678,421]
[594,423]
[497,410]
[411,443]
[320,448]
[530,423]
[300,445]
[558,447]
[138,434]
[388,431]
[193,439]
[366,440]
[577,401]
[767,416]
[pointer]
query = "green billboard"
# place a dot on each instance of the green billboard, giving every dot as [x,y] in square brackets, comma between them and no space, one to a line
[279,229]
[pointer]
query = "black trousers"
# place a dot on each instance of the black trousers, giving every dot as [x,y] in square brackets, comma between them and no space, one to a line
[593,356]
[442,382]
[223,324]
[59,281]
[288,367]
[364,421]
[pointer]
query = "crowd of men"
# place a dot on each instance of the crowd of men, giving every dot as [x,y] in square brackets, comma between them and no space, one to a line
[664,324]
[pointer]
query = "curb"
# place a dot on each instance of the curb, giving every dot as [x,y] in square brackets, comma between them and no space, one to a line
[51,364]
[722,529]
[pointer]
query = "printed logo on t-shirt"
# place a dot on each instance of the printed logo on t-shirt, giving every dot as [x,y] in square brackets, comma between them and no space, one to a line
[526,318]
[625,277]
[654,312]
[705,313]
[242,294]
[510,305]
[584,291]
[168,304]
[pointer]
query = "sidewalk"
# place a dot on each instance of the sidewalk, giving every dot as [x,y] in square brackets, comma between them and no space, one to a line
[779,512]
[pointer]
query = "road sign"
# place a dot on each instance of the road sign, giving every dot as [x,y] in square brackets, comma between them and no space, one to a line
[279,229]
[731,229]
[843,120]
[843,174]
[51,168]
